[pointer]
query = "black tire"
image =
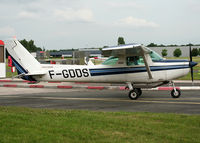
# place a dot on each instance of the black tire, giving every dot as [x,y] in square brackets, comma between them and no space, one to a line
[134,94]
[139,91]
[176,94]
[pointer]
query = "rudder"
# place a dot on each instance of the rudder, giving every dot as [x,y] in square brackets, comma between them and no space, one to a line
[22,59]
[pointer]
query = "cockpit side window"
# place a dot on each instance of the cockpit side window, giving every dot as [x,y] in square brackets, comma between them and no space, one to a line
[134,60]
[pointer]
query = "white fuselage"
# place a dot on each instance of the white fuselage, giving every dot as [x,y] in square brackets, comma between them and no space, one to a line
[161,71]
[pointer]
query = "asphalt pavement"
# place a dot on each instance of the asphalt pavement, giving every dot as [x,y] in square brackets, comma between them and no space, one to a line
[18,83]
[101,100]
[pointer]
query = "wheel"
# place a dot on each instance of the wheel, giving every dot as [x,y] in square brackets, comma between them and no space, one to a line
[175,94]
[134,94]
[140,91]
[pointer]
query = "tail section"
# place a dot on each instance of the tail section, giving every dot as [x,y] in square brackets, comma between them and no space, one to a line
[25,63]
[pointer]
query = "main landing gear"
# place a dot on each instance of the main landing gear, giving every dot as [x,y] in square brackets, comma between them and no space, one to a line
[134,93]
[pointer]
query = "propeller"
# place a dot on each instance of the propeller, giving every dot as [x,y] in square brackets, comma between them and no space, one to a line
[191,68]
[191,64]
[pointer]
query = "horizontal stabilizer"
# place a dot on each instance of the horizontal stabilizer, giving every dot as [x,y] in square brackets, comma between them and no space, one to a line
[35,74]
[30,74]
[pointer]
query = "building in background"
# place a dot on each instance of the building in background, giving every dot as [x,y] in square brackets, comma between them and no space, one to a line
[90,52]
[42,54]
[61,54]
[170,50]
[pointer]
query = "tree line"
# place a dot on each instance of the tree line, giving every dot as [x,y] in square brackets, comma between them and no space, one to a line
[121,41]
[31,47]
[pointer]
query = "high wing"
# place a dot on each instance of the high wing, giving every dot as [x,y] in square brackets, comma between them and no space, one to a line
[126,50]
[129,50]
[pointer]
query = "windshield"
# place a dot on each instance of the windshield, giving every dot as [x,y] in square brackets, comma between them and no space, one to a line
[155,56]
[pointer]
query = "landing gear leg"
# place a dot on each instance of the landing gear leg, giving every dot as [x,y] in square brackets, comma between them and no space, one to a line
[175,93]
[140,91]
[134,93]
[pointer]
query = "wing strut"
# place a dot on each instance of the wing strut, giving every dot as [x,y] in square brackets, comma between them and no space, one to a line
[147,66]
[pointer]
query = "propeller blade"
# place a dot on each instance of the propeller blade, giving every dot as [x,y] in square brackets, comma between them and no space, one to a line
[190,54]
[191,67]
[192,75]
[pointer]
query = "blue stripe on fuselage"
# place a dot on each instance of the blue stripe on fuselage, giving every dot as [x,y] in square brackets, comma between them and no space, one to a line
[126,70]
[169,61]
[21,70]
[18,66]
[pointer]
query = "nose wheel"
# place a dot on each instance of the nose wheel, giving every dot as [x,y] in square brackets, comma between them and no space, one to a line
[175,93]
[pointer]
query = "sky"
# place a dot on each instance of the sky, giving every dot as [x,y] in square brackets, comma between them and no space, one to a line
[66,24]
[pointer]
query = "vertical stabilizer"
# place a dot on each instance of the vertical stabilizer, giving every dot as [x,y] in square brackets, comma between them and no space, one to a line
[22,59]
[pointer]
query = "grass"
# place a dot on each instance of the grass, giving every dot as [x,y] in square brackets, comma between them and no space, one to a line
[45,125]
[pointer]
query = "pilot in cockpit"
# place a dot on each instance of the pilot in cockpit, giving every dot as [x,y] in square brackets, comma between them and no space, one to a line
[132,60]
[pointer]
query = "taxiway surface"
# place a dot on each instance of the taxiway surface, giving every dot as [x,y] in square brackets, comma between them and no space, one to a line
[101,100]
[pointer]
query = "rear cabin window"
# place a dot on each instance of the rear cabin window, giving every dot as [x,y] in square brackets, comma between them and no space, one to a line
[111,61]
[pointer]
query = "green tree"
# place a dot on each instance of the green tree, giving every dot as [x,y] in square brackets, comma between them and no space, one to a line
[152,45]
[199,51]
[161,45]
[195,52]
[164,52]
[177,52]
[30,46]
[121,41]
[173,45]
[189,44]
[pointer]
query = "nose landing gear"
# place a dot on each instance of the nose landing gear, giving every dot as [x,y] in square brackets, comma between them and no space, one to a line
[175,93]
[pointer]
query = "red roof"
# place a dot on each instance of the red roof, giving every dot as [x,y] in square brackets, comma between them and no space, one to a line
[1,42]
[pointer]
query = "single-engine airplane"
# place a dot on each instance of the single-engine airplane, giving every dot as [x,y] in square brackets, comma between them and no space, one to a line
[133,64]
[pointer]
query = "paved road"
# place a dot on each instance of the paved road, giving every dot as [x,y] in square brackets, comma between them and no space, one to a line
[101,100]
